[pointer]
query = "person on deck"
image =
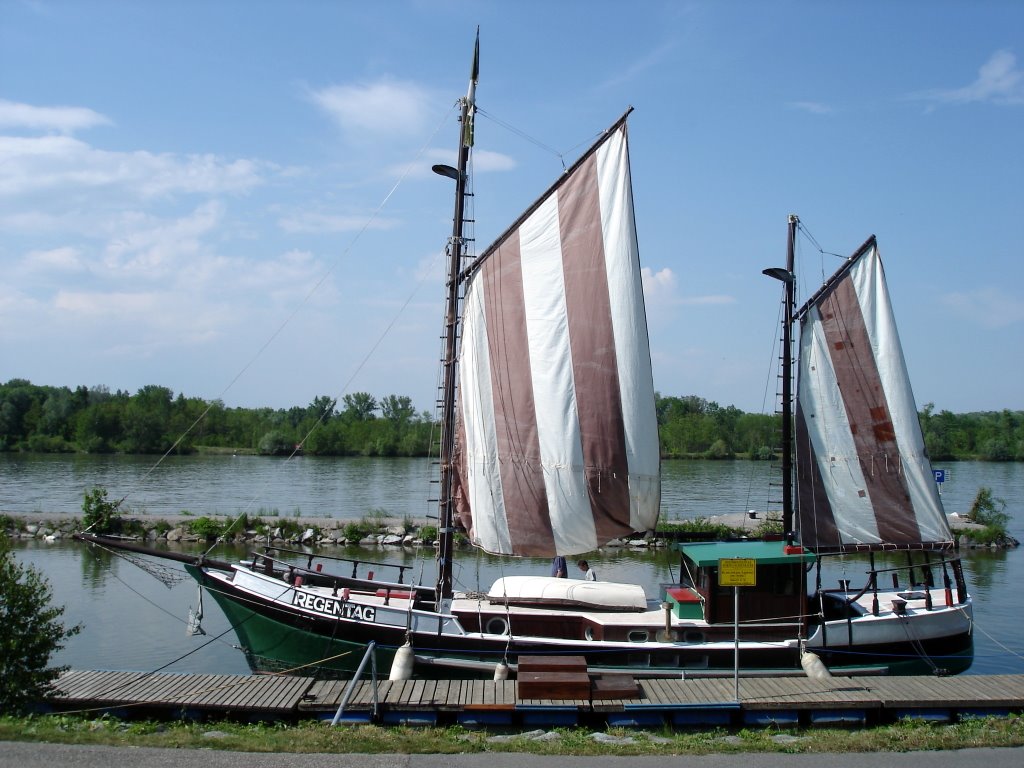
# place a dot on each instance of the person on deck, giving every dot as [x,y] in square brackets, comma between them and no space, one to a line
[559,569]
[589,573]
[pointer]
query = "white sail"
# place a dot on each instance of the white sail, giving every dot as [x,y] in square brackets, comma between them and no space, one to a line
[864,479]
[558,440]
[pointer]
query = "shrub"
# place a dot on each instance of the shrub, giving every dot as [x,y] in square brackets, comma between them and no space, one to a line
[354,531]
[239,525]
[30,632]
[206,527]
[698,528]
[769,527]
[990,512]
[100,515]
[276,443]
[718,450]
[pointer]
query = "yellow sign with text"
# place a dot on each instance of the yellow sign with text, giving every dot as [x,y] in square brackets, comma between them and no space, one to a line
[737,572]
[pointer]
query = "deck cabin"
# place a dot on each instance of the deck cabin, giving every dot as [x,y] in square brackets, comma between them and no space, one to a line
[779,592]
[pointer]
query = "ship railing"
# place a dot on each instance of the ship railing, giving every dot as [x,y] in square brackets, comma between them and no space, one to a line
[375,564]
[920,577]
[314,575]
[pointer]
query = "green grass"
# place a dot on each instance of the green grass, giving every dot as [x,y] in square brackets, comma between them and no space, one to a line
[312,736]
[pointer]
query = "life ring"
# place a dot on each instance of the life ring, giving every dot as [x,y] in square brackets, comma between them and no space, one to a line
[497,626]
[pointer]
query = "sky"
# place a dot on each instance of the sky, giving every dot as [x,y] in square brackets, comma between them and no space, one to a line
[233,199]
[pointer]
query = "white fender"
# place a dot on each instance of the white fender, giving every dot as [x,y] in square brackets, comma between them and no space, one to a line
[401,667]
[813,666]
[501,671]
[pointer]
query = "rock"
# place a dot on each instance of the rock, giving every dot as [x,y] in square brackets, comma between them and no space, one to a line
[785,738]
[549,736]
[607,738]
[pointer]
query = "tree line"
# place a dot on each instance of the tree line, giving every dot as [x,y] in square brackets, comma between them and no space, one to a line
[48,419]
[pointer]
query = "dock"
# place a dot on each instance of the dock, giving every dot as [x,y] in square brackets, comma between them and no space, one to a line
[650,703]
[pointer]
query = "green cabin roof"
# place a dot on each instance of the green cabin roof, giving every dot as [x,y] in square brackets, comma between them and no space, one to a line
[708,553]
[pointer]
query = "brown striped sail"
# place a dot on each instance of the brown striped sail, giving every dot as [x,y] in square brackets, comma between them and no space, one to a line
[864,481]
[558,442]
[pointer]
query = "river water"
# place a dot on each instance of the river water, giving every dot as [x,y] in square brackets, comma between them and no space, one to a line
[131,621]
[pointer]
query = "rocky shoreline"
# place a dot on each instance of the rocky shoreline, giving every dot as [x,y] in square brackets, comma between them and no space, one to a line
[385,532]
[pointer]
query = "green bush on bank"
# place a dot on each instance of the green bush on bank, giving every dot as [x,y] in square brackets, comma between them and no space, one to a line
[989,511]
[30,633]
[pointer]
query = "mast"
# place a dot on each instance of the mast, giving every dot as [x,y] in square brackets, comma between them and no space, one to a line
[788,278]
[787,380]
[456,251]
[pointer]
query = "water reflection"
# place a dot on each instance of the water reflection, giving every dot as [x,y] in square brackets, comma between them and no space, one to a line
[986,569]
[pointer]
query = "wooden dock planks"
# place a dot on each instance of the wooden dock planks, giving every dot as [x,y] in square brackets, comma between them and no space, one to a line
[271,696]
[294,697]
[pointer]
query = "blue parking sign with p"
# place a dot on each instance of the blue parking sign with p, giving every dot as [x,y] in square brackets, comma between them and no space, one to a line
[940,475]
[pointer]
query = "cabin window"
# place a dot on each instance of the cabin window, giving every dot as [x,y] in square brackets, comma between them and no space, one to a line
[637,636]
[692,636]
[778,581]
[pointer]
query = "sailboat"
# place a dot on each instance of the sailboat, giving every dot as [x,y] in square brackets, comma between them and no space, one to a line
[863,482]
[549,447]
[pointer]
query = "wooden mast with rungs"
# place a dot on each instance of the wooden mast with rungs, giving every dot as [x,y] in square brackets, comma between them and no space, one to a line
[456,252]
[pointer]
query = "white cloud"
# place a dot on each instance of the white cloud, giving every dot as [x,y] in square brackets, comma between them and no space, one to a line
[138,323]
[36,164]
[65,259]
[710,300]
[116,304]
[658,286]
[316,221]
[156,247]
[389,107]
[60,119]
[999,81]
[989,307]
[485,160]
[661,288]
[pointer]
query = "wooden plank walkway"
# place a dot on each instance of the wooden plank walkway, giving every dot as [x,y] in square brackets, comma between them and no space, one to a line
[272,697]
[689,702]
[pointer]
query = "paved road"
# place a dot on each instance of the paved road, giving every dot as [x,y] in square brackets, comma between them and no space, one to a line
[32,755]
